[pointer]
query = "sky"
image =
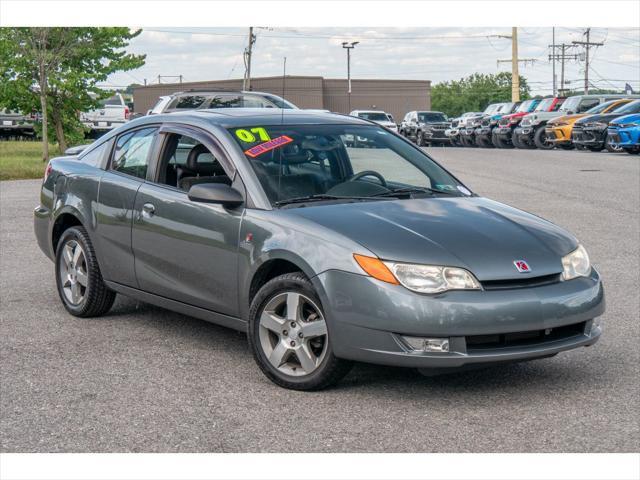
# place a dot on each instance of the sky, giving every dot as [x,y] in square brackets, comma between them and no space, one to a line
[429,53]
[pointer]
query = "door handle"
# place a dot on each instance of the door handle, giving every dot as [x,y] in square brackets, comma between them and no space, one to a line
[148,210]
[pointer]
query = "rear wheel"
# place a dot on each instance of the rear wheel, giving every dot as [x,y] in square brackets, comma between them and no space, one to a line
[78,278]
[289,337]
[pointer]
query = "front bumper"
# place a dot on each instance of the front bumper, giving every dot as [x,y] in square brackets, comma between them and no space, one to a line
[484,133]
[589,137]
[102,126]
[559,135]
[628,137]
[367,319]
[525,133]
[504,132]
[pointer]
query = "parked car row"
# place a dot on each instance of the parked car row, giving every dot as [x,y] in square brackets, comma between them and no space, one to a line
[585,122]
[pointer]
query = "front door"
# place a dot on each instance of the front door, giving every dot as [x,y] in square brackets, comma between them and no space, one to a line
[184,250]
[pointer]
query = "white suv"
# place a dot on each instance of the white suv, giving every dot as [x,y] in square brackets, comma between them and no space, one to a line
[378,116]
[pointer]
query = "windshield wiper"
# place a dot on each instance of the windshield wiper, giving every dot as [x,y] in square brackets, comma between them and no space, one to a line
[409,190]
[320,197]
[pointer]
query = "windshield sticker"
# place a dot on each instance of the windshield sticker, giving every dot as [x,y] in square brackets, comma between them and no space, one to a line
[248,136]
[268,146]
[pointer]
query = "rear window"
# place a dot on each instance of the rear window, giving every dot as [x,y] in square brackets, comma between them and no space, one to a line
[111,101]
[374,116]
[188,102]
[226,101]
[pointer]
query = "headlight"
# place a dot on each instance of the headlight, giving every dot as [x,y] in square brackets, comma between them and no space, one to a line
[433,279]
[418,278]
[598,125]
[576,264]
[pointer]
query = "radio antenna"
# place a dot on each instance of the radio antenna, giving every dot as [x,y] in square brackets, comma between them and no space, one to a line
[284,82]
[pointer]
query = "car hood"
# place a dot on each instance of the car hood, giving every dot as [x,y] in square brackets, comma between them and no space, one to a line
[602,117]
[478,234]
[568,118]
[385,124]
[631,118]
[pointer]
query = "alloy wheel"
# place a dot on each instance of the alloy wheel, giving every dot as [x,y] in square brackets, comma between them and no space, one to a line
[73,272]
[293,334]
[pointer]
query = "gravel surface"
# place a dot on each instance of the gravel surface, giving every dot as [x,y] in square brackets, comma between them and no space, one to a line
[143,379]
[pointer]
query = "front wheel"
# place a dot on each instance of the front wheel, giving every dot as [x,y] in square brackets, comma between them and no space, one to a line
[611,147]
[78,278]
[500,143]
[541,139]
[420,139]
[289,337]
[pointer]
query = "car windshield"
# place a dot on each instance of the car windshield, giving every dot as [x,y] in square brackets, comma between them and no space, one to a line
[374,116]
[544,105]
[341,162]
[431,117]
[525,106]
[602,107]
[631,107]
[506,107]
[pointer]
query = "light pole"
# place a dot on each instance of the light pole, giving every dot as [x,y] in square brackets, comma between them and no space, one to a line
[349,46]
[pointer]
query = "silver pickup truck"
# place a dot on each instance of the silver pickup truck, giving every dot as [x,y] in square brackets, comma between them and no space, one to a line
[113,112]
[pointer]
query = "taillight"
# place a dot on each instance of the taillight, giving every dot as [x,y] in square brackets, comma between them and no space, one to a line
[47,171]
[126,113]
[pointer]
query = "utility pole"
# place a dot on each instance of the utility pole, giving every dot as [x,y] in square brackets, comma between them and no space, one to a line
[515,75]
[553,50]
[562,56]
[246,83]
[349,47]
[586,45]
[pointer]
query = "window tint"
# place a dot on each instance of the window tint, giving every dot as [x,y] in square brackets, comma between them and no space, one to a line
[131,155]
[188,102]
[587,103]
[95,156]
[432,117]
[256,102]
[374,116]
[226,101]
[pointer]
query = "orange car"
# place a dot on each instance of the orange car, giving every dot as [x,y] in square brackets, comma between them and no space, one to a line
[558,129]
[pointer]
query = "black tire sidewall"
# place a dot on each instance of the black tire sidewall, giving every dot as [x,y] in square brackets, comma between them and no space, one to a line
[73,233]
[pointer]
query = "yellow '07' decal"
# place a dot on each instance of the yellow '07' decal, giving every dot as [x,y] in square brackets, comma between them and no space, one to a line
[248,136]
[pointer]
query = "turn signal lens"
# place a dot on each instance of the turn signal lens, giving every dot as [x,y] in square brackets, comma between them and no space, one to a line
[376,268]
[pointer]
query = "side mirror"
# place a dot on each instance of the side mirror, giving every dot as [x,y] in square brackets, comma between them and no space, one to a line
[219,193]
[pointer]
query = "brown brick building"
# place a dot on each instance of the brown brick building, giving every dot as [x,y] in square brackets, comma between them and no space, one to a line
[396,97]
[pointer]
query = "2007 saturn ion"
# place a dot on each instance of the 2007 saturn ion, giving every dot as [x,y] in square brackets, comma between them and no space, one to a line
[265,221]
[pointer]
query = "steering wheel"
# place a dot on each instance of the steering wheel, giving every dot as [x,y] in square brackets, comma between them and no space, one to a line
[367,173]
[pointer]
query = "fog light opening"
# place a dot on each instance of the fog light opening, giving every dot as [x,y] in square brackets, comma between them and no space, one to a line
[431,345]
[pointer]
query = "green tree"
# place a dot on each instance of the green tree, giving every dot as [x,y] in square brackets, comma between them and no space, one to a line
[475,92]
[55,71]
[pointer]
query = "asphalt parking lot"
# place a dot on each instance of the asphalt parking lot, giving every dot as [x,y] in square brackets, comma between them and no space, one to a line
[143,379]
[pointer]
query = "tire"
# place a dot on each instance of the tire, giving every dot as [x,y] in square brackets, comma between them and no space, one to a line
[482,143]
[540,140]
[501,143]
[419,139]
[515,142]
[74,266]
[568,146]
[276,335]
[596,149]
[609,147]
[633,150]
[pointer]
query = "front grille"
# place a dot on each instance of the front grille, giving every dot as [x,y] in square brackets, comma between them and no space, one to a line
[525,122]
[522,339]
[524,282]
[486,122]
[504,122]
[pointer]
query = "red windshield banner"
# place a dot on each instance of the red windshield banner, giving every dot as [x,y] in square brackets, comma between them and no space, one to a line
[268,146]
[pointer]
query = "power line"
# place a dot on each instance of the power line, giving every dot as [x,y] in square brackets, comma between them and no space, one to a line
[587,44]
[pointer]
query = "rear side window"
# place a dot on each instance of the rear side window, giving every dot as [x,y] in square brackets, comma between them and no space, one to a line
[95,156]
[188,102]
[131,154]
[256,102]
[226,101]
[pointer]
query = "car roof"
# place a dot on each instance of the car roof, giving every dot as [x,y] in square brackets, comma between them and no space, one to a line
[234,117]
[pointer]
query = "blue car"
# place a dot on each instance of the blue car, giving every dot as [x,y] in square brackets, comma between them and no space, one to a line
[625,132]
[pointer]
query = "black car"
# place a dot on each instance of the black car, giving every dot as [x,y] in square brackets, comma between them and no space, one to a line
[425,127]
[591,132]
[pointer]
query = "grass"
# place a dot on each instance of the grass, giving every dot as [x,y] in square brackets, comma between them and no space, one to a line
[22,160]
